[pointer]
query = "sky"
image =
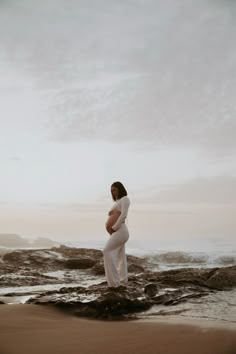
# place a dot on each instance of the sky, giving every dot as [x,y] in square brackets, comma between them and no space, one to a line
[141,92]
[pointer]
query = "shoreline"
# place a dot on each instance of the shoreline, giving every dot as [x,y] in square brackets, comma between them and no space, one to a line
[158,319]
[192,321]
[44,329]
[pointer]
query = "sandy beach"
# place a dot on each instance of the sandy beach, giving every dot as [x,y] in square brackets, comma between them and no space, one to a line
[34,329]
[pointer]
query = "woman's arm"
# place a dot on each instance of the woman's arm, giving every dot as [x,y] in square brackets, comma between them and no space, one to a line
[125,203]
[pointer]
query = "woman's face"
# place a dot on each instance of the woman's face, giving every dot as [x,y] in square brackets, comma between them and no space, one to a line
[114,192]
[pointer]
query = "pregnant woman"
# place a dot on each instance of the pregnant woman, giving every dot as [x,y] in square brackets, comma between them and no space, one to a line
[115,262]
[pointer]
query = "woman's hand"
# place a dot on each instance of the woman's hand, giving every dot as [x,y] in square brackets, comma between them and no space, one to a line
[110,230]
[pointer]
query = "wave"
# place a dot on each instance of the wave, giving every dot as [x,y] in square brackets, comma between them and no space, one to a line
[179,257]
[168,258]
[227,260]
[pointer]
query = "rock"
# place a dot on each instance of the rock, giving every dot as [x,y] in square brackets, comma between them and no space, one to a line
[98,269]
[222,278]
[100,303]
[43,259]
[73,252]
[79,263]
[144,289]
[26,278]
[151,289]
[182,276]
[7,268]
[12,256]
[135,260]
[119,303]
[135,268]
[48,260]
[177,296]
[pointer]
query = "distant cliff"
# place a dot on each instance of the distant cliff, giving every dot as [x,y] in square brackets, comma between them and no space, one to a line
[14,240]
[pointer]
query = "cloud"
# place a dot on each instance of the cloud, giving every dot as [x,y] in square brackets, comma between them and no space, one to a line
[204,191]
[15,158]
[95,207]
[133,71]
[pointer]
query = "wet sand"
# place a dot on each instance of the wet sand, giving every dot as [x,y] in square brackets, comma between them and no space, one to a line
[35,329]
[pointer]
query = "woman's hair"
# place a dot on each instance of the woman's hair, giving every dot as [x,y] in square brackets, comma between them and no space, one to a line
[121,190]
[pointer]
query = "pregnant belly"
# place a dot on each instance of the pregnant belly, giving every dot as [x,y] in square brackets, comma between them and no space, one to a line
[112,219]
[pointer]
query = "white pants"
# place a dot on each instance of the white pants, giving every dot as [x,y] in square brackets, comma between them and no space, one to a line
[115,262]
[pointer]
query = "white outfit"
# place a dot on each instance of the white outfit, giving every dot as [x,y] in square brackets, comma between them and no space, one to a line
[115,262]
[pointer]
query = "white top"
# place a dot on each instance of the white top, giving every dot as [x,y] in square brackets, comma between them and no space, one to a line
[122,205]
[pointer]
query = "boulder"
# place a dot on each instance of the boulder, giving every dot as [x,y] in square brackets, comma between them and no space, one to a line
[73,252]
[151,289]
[223,278]
[99,301]
[135,268]
[79,263]
[98,269]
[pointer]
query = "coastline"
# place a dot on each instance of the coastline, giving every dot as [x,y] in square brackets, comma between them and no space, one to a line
[196,322]
[73,278]
[44,329]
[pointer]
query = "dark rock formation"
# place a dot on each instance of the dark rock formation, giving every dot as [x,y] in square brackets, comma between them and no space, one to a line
[79,263]
[151,289]
[68,252]
[135,268]
[222,278]
[144,289]
[42,259]
[98,301]
[98,268]
[24,262]
[214,278]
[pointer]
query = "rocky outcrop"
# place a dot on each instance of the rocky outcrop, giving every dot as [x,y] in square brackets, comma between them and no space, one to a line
[17,267]
[98,268]
[42,259]
[145,288]
[27,278]
[112,303]
[212,278]
[69,252]
[222,278]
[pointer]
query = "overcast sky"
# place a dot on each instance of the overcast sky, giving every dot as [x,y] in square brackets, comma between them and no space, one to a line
[138,91]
